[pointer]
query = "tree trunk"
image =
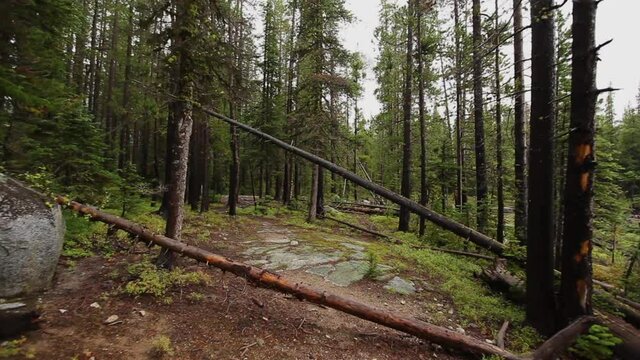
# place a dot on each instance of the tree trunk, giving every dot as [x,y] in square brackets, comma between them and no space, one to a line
[124,156]
[541,307]
[478,115]
[460,195]
[405,187]
[111,124]
[424,190]
[269,280]
[183,123]
[313,197]
[519,127]
[576,286]
[499,170]
[90,83]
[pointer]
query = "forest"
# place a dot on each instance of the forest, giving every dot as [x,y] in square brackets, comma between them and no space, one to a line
[497,181]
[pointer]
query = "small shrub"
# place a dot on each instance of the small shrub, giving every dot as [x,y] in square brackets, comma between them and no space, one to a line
[161,347]
[597,344]
[372,262]
[150,280]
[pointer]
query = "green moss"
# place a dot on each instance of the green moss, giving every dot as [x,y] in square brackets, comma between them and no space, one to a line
[475,302]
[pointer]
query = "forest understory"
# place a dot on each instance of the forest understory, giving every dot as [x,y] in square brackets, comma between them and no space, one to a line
[109,301]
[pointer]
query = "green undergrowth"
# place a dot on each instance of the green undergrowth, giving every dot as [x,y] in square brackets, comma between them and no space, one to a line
[16,348]
[596,344]
[455,276]
[83,237]
[147,279]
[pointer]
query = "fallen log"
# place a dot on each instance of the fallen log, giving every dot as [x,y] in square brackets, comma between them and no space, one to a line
[373,206]
[357,227]
[562,340]
[499,279]
[630,347]
[502,334]
[444,222]
[269,280]
[456,252]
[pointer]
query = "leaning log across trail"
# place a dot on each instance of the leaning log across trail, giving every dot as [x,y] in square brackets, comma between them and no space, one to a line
[444,222]
[269,280]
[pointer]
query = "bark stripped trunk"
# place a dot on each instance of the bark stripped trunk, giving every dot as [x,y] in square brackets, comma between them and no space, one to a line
[576,286]
[499,170]
[183,123]
[519,128]
[478,115]
[541,307]
[442,221]
[269,280]
[405,186]
[423,128]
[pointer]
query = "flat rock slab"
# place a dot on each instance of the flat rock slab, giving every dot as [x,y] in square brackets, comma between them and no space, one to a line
[400,286]
[348,272]
[321,270]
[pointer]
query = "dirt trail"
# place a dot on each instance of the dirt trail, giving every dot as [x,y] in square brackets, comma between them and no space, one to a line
[230,319]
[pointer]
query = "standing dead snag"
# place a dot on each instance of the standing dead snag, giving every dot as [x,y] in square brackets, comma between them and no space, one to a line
[269,280]
[576,285]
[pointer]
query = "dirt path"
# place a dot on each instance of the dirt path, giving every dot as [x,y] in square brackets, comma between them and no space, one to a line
[230,319]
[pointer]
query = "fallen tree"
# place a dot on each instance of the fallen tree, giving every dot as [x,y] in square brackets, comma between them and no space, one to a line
[269,280]
[500,279]
[357,227]
[444,222]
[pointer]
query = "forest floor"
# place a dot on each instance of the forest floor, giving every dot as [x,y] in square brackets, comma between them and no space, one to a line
[202,313]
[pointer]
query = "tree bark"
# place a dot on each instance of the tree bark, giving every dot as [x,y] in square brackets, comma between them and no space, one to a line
[541,309]
[424,190]
[442,221]
[576,285]
[405,187]
[500,168]
[313,197]
[183,123]
[519,127]
[478,115]
[269,280]
[561,341]
[460,195]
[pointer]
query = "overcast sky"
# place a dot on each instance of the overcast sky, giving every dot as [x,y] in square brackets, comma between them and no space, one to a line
[617,20]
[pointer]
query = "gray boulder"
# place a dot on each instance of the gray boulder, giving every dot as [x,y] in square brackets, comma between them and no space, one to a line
[31,237]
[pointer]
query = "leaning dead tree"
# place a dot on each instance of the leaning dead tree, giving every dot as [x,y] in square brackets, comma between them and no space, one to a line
[269,280]
[444,222]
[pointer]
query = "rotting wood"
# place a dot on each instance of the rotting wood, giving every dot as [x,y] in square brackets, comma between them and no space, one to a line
[563,339]
[269,280]
[444,222]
